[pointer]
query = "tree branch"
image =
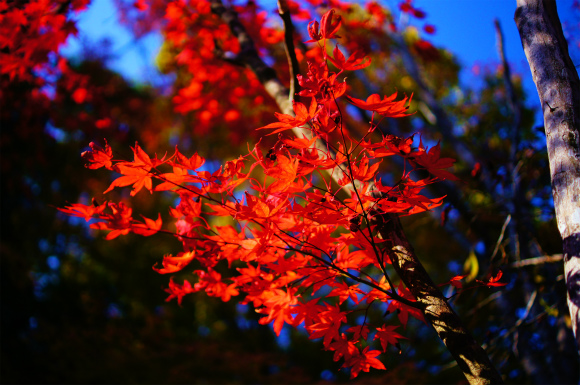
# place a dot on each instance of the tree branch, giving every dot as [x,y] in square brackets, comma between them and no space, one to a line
[512,201]
[250,57]
[470,356]
[284,12]
[537,260]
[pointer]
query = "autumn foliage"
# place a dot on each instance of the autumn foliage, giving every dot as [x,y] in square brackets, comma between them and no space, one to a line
[291,228]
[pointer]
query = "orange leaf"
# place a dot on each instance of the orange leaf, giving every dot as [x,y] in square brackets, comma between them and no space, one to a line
[387,107]
[355,62]
[173,264]
[148,228]
[98,157]
[284,173]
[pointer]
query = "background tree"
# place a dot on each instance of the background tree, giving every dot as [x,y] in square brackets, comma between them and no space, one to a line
[558,86]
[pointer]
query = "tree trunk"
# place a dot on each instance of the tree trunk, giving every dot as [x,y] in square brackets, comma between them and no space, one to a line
[558,86]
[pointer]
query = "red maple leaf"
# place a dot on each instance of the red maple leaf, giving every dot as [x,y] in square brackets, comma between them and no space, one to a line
[300,143]
[328,27]
[343,347]
[211,282]
[136,173]
[278,306]
[456,281]
[403,310]
[356,61]
[175,179]
[387,107]
[328,324]
[387,335]
[259,207]
[363,172]
[84,211]
[178,291]
[149,227]
[344,291]
[288,122]
[359,331]
[119,221]
[434,163]
[363,361]
[192,163]
[173,264]
[494,281]
[98,157]
[284,174]
[138,177]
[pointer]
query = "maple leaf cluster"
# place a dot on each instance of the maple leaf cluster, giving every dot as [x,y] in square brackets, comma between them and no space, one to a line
[206,56]
[31,30]
[200,42]
[301,242]
[31,35]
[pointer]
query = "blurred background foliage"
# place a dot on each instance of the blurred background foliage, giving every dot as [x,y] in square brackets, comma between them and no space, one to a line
[77,308]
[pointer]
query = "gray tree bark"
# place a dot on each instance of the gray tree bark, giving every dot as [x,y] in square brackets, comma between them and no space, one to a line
[558,86]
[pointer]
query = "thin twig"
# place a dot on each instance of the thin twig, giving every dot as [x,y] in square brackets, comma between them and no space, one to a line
[481,304]
[500,239]
[521,320]
[537,260]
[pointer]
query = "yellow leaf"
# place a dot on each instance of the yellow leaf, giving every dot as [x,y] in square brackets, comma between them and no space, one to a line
[471,266]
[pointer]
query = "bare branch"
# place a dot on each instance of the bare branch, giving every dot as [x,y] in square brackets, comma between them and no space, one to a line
[512,202]
[500,238]
[537,260]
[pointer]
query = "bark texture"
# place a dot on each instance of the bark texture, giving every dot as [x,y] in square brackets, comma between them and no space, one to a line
[470,356]
[558,87]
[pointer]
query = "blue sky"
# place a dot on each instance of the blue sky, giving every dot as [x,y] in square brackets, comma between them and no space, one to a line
[464,27]
[134,59]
